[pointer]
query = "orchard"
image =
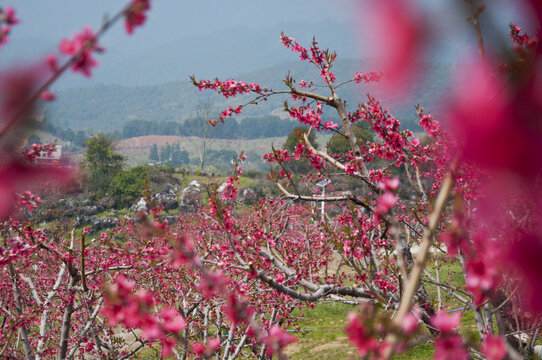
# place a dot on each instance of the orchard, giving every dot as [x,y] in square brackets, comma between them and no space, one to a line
[398,210]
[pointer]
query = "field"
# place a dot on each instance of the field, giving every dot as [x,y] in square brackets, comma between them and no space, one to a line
[137,149]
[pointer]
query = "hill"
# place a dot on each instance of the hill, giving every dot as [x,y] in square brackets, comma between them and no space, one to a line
[108,107]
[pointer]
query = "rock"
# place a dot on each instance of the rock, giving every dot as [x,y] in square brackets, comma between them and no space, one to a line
[168,197]
[195,184]
[247,196]
[141,205]
[90,210]
[103,223]
[222,187]
[190,194]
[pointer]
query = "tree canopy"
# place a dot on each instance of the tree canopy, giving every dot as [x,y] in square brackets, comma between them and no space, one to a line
[102,162]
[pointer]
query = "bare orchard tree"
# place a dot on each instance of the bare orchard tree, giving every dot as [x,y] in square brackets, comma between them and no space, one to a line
[201,127]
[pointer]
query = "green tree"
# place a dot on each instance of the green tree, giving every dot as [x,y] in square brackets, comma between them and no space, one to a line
[296,135]
[127,186]
[165,153]
[302,165]
[185,157]
[102,162]
[80,138]
[34,139]
[339,144]
[153,156]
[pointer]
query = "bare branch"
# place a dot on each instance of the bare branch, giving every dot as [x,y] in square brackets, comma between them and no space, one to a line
[33,290]
[46,308]
[328,100]
[346,197]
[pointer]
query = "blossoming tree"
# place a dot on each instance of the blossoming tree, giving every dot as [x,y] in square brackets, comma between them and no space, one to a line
[224,283]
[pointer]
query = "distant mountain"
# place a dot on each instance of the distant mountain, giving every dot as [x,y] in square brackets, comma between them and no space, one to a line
[108,107]
[224,53]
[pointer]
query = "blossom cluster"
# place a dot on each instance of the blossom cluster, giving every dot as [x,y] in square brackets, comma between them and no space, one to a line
[229,87]
[81,47]
[122,306]
[9,18]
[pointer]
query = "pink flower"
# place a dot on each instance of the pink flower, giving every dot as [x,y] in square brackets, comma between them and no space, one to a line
[48,96]
[450,348]
[276,340]
[168,343]
[523,255]
[452,241]
[238,310]
[359,336]
[481,278]
[149,326]
[494,347]
[4,32]
[367,77]
[389,184]
[213,344]
[172,320]
[52,63]
[446,322]
[136,14]
[410,323]
[396,34]
[386,202]
[330,125]
[9,14]
[17,86]
[29,200]
[82,46]
[14,176]
[198,348]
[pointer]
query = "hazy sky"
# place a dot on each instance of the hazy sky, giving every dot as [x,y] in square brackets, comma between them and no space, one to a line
[169,20]
[172,19]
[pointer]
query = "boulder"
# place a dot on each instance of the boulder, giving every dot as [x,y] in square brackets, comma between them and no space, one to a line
[90,210]
[190,194]
[247,196]
[167,198]
[98,224]
[141,205]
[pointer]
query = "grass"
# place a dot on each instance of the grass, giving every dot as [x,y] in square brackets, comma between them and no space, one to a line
[329,341]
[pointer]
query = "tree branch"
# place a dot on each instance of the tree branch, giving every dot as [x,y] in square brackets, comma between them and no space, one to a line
[23,331]
[347,197]
[86,328]
[419,265]
[45,313]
